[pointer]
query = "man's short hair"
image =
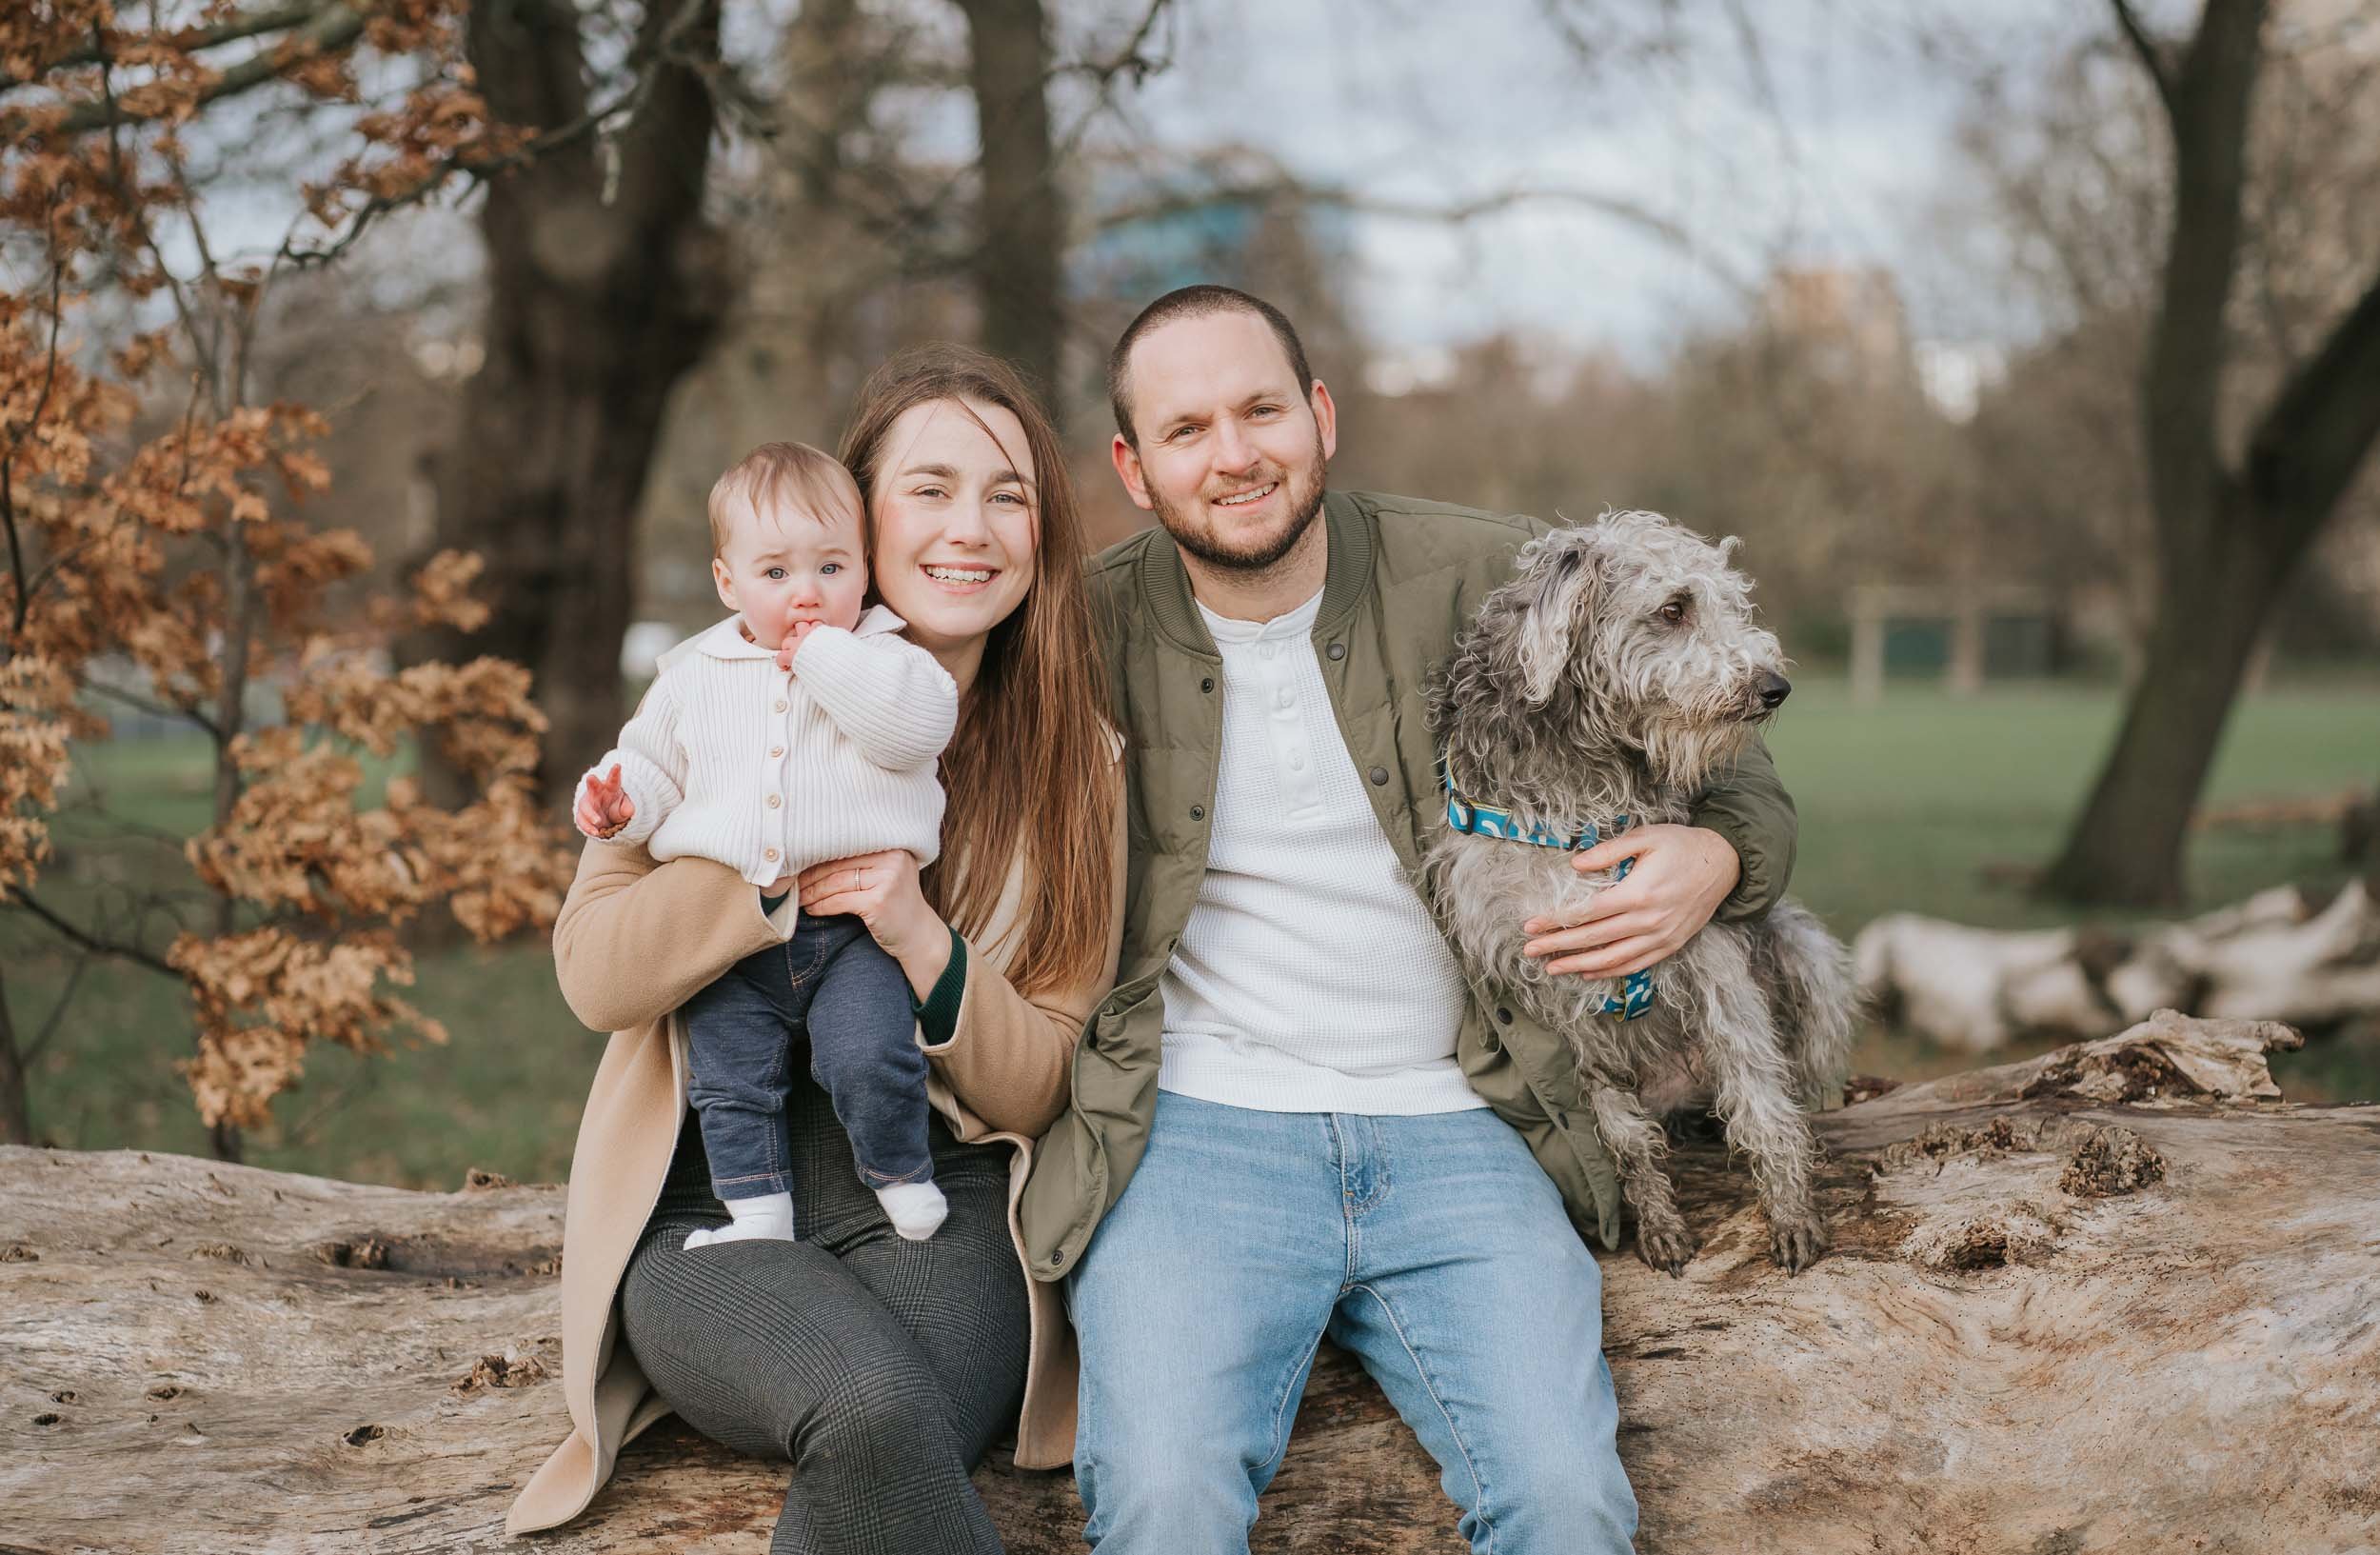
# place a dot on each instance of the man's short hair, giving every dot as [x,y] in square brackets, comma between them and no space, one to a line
[794,475]
[1190,303]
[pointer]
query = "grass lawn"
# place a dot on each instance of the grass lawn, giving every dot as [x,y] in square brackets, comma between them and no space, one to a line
[1902,807]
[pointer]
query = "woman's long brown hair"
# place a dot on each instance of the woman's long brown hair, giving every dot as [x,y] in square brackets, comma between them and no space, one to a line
[1029,774]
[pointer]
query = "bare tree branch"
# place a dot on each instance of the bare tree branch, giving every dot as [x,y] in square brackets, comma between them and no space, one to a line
[1288,188]
[155,709]
[74,934]
[331,28]
[2152,56]
[189,40]
[33,1049]
[610,117]
[2323,424]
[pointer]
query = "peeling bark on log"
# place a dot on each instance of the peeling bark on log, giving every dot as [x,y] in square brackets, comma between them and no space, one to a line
[2115,1298]
[2280,955]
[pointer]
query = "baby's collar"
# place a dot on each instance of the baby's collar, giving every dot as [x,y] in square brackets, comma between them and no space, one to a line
[729,639]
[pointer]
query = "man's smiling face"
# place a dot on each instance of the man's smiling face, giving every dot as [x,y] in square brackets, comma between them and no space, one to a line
[1233,451]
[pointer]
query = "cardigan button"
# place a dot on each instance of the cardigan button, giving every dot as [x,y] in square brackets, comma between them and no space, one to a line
[1336,651]
[781,706]
[1379,777]
[776,750]
[770,855]
[774,801]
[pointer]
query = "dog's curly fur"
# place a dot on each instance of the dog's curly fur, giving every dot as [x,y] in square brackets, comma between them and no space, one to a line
[1616,674]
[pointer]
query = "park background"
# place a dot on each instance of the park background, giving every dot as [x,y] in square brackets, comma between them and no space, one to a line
[1883,289]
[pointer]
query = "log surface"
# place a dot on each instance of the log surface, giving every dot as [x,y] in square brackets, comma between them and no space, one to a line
[2115,1298]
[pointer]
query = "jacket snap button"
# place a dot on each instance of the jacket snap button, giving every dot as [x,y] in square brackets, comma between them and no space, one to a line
[1207,684]
[1337,651]
[1198,812]
[1379,777]
[1503,1015]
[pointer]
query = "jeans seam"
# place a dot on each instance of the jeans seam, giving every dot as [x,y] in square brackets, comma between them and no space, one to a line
[1281,1402]
[1479,1487]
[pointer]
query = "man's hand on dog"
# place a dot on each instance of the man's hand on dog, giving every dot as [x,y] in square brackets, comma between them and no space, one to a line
[1680,877]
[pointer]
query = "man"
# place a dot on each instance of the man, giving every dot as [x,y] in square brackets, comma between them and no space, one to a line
[1293,1118]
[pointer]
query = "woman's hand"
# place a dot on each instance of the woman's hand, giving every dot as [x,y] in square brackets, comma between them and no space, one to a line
[1680,877]
[881,890]
[604,807]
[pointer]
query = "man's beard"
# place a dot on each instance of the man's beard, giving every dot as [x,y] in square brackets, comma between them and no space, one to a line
[1201,541]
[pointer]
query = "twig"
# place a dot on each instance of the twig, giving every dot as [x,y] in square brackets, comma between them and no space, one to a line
[33,1049]
[2152,58]
[155,709]
[624,105]
[76,935]
[331,28]
[190,40]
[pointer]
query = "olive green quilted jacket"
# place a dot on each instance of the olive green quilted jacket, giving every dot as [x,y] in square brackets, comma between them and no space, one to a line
[1404,577]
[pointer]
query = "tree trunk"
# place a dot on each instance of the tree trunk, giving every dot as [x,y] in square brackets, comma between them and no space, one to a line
[2227,540]
[16,1112]
[2126,848]
[605,286]
[2117,1298]
[1018,267]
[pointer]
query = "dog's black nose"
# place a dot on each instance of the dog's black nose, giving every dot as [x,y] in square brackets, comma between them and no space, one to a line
[1775,688]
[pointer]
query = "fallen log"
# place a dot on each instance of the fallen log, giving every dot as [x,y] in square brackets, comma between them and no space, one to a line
[2115,1298]
[2281,955]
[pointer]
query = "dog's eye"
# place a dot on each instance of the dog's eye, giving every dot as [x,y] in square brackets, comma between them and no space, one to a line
[1675,611]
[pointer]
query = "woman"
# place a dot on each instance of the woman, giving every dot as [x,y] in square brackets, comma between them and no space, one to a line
[882,1369]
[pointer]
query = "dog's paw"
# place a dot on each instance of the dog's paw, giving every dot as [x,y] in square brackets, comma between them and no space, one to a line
[1665,1248]
[1797,1244]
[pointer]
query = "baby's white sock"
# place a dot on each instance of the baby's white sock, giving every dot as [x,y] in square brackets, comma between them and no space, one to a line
[915,1209]
[768,1218]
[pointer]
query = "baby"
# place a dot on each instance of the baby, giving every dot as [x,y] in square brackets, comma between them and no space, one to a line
[797,730]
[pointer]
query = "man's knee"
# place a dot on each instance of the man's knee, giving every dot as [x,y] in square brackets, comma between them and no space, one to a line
[1551,1494]
[1165,1486]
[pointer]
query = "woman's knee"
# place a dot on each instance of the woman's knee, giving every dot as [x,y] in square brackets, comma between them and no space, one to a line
[874,1415]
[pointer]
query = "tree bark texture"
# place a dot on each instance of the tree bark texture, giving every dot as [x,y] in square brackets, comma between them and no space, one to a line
[1017,259]
[604,285]
[2229,539]
[2117,1298]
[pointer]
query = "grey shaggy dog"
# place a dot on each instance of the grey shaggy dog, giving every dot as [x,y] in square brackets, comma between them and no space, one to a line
[1616,674]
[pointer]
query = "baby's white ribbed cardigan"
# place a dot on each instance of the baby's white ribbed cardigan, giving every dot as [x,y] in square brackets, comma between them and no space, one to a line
[769,771]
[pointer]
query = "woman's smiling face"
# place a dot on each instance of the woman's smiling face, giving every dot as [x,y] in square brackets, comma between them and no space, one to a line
[955,521]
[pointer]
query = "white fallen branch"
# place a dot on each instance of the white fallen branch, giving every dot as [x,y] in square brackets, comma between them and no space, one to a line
[2279,956]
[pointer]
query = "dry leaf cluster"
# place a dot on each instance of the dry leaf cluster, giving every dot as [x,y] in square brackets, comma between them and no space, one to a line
[190,555]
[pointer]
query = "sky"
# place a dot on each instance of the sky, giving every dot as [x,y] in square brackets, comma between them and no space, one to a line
[1830,142]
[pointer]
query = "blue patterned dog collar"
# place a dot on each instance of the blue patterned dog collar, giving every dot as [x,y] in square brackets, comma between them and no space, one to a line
[1475,820]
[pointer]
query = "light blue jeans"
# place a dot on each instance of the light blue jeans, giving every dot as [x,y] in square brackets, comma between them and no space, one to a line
[1434,1249]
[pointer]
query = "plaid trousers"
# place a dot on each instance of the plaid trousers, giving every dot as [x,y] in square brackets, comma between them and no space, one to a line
[880,1368]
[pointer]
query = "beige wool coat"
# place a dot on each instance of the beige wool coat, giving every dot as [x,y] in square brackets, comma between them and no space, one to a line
[634,942]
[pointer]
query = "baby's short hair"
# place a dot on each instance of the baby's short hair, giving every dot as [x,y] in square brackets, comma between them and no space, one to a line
[793,473]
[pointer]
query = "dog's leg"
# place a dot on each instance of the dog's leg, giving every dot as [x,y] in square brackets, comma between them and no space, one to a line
[1806,974]
[1636,1144]
[1752,1081]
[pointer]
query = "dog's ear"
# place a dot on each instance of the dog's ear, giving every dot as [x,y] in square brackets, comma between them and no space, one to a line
[1550,620]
